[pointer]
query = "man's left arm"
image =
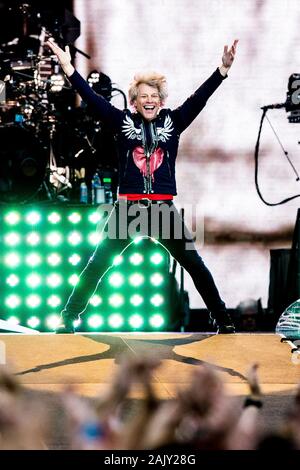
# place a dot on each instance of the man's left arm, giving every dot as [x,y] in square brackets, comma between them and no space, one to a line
[189,110]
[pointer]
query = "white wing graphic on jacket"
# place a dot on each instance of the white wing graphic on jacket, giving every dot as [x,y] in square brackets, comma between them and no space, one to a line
[129,130]
[164,133]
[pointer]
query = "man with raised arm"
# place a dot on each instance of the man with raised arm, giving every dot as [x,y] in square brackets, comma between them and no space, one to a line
[147,141]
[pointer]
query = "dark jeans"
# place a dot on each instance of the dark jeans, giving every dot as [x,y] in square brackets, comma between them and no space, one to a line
[156,221]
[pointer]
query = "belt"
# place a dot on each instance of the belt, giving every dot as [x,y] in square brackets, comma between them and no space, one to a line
[145,202]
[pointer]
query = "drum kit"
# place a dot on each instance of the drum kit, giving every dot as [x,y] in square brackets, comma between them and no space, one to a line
[44,138]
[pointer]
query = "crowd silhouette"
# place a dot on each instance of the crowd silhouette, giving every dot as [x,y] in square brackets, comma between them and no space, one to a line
[201,416]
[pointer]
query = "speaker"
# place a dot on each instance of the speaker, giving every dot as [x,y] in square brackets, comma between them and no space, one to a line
[278,284]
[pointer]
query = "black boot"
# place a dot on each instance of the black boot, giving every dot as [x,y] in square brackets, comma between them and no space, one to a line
[66,326]
[222,320]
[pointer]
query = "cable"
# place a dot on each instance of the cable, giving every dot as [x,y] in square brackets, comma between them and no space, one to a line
[286,154]
[256,168]
[122,93]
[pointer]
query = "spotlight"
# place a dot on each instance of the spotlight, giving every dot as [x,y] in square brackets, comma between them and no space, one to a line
[95,321]
[136,321]
[57,82]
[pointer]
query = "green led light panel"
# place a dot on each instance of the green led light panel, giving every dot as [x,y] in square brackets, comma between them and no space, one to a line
[43,250]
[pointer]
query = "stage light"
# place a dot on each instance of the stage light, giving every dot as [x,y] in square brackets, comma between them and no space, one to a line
[12,280]
[73,279]
[156,258]
[94,238]
[136,279]
[93,77]
[33,280]
[53,321]
[12,218]
[74,259]
[101,84]
[136,259]
[33,218]
[116,279]
[118,260]
[74,238]
[116,300]
[33,322]
[54,259]
[13,301]
[116,321]
[54,218]
[13,320]
[95,321]
[33,301]
[54,301]
[156,279]
[12,260]
[95,300]
[12,239]
[136,300]
[136,321]
[33,239]
[54,280]
[157,300]
[41,272]
[54,238]
[57,82]
[157,321]
[138,240]
[95,217]
[74,218]
[33,259]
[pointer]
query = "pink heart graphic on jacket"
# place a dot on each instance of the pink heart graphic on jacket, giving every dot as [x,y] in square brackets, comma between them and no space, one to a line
[156,159]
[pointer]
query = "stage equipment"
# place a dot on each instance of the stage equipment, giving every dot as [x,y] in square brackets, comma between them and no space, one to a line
[249,314]
[281,288]
[103,86]
[23,158]
[289,321]
[43,251]
[292,104]
[38,112]
[100,83]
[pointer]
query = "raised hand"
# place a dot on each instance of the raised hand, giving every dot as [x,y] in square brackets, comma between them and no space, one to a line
[64,56]
[253,381]
[228,55]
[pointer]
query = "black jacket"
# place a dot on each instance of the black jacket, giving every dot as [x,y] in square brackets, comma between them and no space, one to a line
[147,150]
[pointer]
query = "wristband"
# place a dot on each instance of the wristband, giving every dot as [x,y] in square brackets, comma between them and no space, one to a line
[253,402]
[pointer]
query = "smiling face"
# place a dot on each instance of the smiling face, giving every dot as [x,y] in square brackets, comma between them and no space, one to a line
[148,101]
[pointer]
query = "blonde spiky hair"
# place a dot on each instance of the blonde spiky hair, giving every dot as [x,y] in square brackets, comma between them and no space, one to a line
[148,78]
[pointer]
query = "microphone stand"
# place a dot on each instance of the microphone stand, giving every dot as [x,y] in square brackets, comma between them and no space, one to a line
[75,49]
[285,152]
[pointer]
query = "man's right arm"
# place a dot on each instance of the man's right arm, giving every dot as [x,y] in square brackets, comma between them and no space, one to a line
[104,110]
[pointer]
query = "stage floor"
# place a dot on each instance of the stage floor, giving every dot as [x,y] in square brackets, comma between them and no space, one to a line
[47,362]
